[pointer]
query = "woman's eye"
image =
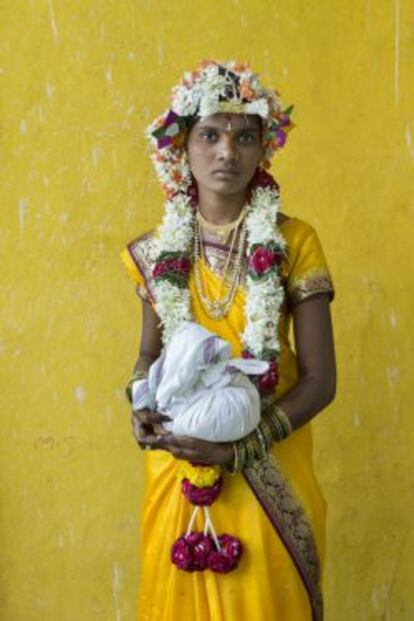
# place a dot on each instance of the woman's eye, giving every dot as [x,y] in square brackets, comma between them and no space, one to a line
[246,138]
[210,136]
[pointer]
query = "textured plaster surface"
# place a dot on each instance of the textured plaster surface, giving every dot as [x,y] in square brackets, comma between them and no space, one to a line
[79,82]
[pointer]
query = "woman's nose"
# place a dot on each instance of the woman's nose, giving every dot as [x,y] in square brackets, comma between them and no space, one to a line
[228,150]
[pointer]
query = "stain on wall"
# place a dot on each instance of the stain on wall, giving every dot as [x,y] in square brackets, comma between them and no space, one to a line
[79,83]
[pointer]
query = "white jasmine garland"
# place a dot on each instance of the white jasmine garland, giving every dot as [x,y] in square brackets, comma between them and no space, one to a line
[262,310]
[263,297]
[176,230]
[173,306]
[260,107]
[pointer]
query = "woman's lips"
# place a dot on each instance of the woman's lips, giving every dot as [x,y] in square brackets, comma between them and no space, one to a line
[225,174]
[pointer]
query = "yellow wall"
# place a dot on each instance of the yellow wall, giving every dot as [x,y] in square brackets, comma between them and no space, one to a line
[79,82]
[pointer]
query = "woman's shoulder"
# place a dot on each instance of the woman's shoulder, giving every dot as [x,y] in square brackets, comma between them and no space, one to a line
[292,227]
[139,256]
[142,248]
[306,267]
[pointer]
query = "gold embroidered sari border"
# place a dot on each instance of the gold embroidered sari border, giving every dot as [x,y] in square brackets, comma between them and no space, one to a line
[286,515]
[315,281]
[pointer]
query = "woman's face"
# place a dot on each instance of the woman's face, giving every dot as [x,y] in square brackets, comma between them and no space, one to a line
[224,151]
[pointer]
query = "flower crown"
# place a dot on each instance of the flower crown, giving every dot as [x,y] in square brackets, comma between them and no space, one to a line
[213,87]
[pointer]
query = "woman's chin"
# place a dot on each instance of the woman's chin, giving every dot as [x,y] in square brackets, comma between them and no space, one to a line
[227,186]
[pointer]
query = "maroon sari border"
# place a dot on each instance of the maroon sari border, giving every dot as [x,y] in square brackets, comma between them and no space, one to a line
[315,598]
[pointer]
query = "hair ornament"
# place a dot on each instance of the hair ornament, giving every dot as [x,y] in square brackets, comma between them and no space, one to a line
[214,87]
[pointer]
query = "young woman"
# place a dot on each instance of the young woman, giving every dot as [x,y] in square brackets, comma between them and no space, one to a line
[226,257]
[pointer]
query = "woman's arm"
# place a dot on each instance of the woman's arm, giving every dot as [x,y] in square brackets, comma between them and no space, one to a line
[316,361]
[143,421]
[151,343]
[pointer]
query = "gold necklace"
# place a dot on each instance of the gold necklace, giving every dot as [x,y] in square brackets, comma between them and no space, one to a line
[221,230]
[226,266]
[218,308]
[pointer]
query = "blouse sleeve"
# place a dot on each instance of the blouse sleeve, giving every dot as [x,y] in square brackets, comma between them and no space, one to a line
[308,271]
[138,257]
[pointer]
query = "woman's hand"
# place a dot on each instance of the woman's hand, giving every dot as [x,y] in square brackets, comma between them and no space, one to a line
[182,447]
[146,425]
[194,450]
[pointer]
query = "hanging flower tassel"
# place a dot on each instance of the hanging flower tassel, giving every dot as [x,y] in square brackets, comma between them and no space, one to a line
[197,551]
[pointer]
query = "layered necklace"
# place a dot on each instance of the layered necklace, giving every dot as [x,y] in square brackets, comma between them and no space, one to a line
[222,231]
[219,307]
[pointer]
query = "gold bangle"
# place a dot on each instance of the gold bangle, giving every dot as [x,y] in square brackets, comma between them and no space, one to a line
[284,421]
[138,375]
[246,444]
[241,454]
[279,423]
[275,426]
[232,468]
[236,458]
[252,446]
[262,442]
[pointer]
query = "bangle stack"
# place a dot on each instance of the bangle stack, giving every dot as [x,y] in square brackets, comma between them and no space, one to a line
[279,423]
[273,427]
[137,375]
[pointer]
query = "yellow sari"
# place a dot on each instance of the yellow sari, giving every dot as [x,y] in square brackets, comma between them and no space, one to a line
[275,508]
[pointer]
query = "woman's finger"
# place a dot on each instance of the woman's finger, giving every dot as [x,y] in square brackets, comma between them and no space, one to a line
[150,417]
[151,441]
[181,447]
[141,431]
[192,444]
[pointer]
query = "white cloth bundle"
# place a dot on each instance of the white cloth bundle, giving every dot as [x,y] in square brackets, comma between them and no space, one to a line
[205,392]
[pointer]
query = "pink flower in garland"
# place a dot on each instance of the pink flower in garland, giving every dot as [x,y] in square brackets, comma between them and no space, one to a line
[201,496]
[201,547]
[219,563]
[228,558]
[181,555]
[191,552]
[263,260]
[262,179]
[231,547]
[269,379]
[266,382]
[180,266]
